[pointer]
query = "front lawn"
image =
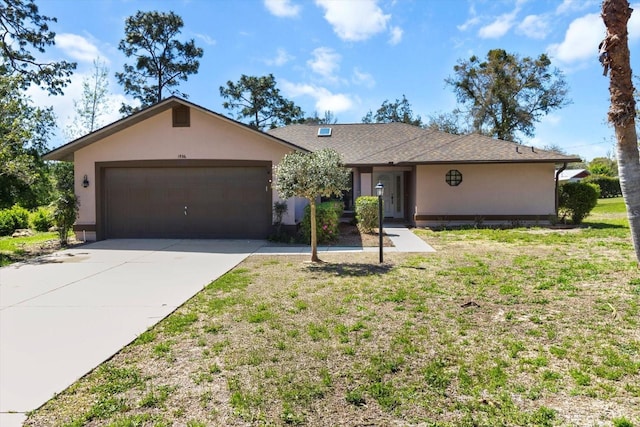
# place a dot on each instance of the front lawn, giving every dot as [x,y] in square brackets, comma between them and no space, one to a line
[498,327]
[22,248]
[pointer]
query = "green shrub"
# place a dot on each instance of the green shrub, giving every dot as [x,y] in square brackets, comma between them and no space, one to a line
[367,213]
[20,217]
[41,219]
[327,221]
[13,219]
[6,222]
[577,199]
[338,207]
[609,186]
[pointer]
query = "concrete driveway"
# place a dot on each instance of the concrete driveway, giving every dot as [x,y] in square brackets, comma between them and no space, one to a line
[64,314]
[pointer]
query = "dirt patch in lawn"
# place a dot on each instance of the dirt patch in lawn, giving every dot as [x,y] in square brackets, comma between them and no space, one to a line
[351,235]
[32,250]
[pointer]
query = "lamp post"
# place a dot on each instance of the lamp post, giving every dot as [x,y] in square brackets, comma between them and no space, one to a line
[380,193]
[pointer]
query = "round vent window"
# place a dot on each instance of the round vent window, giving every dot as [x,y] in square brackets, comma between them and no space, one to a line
[453,177]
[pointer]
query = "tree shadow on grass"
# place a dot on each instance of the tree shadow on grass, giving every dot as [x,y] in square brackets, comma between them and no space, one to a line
[602,225]
[353,270]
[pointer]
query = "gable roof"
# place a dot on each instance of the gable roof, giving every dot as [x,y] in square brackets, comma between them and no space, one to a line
[368,144]
[573,173]
[66,151]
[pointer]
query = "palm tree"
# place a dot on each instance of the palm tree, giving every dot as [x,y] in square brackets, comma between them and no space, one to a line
[614,55]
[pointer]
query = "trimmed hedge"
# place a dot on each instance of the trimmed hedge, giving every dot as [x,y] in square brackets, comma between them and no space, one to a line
[327,221]
[577,199]
[367,213]
[609,186]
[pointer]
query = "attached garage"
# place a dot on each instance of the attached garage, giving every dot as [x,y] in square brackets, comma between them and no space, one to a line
[174,170]
[193,200]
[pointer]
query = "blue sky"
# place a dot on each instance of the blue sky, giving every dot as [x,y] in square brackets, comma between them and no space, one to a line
[348,56]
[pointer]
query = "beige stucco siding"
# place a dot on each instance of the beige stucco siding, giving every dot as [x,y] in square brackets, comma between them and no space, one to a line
[208,137]
[487,189]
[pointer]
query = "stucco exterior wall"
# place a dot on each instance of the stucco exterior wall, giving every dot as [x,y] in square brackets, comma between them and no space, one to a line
[208,137]
[516,190]
[366,184]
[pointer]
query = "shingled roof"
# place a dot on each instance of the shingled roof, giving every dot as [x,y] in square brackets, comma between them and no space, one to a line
[66,152]
[369,144]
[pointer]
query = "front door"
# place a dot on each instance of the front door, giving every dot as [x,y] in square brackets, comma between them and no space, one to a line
[392,199]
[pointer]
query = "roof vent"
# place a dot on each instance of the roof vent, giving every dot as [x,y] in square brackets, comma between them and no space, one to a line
[324,131]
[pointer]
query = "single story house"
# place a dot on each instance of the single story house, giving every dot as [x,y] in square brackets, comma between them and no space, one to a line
[436,178]
[573,175]
[178,170]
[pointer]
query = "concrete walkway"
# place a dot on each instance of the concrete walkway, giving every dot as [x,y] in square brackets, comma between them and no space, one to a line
[403,239]
[64,314]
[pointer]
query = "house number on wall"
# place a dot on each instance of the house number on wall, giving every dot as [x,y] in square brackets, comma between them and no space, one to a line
[182,156]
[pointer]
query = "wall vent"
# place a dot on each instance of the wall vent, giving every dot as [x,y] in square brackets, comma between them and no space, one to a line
[324,132]
[181,116]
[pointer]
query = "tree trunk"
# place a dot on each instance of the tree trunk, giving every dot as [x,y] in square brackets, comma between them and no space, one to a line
[615,56]
[159,85]
[314,237]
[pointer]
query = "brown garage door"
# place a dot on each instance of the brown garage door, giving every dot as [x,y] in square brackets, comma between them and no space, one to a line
[186,202]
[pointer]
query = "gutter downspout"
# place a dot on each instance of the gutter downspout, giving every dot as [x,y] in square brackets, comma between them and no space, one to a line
[558,172]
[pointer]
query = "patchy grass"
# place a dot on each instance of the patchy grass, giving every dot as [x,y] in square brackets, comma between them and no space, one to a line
[21,248]
[614,205]
[499,327]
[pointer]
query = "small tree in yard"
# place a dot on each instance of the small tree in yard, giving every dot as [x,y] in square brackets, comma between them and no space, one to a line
[66,204]
[64,215]
[312,175]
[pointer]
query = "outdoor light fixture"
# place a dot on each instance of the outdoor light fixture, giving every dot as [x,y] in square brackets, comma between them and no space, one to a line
[85,181]
[380,192]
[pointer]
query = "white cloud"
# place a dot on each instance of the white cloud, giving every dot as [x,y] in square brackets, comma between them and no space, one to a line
[534,26]
[325,62]
[281,58]
[473,21]
[77,47]
[334,102]
[396,35]
[568,6]
[498,27]
[363,79]
[208,40]
[501,24]
[324,99]
[354,20]
[580,41]
[552,119]
[282,8]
